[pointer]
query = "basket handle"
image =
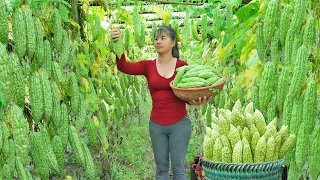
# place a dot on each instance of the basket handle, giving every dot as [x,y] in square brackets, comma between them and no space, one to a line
[196,168]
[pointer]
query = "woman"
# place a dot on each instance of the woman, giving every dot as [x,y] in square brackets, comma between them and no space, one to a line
[169,125]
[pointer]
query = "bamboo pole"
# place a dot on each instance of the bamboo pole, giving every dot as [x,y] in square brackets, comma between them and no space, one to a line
[97,3]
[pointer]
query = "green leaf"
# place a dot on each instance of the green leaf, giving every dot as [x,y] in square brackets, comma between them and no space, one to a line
[248,11]
[227,39]
[237,3]
[63,13]
[253,59]
[92,100]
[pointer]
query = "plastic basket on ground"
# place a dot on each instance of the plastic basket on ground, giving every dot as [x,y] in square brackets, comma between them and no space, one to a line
[226,171]
[188,94]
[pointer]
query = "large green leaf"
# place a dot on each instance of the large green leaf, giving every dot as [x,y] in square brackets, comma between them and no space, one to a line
[248,11]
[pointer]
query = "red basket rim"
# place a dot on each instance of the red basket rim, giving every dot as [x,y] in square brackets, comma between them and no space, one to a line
[200,88]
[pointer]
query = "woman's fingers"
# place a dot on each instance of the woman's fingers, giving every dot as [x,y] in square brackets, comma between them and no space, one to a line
[201,100]
[115,35]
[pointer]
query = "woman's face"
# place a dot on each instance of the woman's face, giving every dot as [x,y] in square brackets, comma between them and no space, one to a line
[163,43]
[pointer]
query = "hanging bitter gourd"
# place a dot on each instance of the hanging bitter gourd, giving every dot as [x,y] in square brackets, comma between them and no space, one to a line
[272,108]
[314,153]
[65,51]
[136,25]
[310,106]
[260,43]
[19,32]
[270,20]
[266,85]
[5,79]
[275,51]
[58,150]
[11,156]
[36,97]
[154,29]
[39,155]
[288,48]
[309,36]
[47,96]
[204,27]
[287,110]
[217,23]
[89,163]
[50,156]
[301,146]
[5,146]
[6,172]
[20,169]
[209,116]
[58,29]
[299,72]
[76,146]
[284,23]
[57,73]
[296,115]
[62,127]
[300,10]
[186,31]
[81,116]
[229,16]
[141,41]
[18,80]
[30,32]
[297,42]
[4,25]
[282,87]
[20,131]
[47,60]
[194,31]
[91,130]
[39,52]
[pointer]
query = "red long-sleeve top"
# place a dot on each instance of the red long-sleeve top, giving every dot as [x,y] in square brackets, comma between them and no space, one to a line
[167,109]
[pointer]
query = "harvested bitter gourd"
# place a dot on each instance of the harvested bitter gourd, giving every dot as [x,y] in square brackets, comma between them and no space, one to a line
[264,143]
[196,76]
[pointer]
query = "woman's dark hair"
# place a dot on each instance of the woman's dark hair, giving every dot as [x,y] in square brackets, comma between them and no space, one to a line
[172,34]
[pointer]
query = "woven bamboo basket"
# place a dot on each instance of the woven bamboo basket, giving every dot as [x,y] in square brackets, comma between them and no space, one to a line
[189,94]
[225,171]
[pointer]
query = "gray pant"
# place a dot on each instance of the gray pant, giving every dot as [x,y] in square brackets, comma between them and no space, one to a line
[173,140]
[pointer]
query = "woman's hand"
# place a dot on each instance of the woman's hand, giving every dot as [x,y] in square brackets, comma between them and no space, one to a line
[200,101]
[115,35]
